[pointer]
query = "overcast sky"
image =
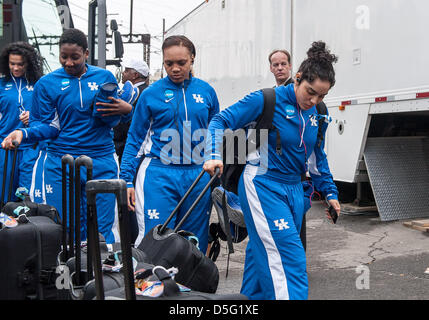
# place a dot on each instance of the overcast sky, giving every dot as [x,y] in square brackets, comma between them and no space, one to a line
[147,18]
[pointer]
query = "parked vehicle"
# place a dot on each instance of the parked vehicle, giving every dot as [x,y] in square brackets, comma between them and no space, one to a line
[380,103]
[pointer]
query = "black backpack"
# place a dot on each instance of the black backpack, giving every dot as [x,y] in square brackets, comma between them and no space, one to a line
[233,165]
[232,169]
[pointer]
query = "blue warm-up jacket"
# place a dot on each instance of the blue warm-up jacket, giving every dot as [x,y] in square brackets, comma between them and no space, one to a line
[170,122]
[15,98]
[65,113]
[298,131]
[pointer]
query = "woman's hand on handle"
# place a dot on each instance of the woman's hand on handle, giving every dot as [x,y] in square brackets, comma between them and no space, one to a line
[211,165]
[15,136]
[131,198]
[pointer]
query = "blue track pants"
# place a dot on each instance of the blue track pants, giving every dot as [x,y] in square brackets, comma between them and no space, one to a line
[275,263]
[160,187]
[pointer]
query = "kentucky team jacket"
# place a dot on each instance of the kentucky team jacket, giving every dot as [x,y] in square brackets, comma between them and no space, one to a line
[298,131]
[170,123]
[65,113]
[15,98]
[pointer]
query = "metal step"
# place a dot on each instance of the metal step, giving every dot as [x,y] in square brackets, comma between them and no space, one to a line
[398,170]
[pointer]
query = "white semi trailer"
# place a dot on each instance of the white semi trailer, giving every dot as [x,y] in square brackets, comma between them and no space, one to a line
[379,135]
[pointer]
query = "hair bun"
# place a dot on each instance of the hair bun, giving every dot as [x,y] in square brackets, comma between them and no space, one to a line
[318,51]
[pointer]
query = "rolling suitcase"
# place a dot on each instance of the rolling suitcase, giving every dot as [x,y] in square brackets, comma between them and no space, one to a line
[75,255]
[71,252]
[29,251]
[168,248]
[12,174]
[171,289]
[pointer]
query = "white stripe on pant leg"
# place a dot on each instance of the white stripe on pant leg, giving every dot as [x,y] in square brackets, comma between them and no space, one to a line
[43,180]
[139,207]
[115,226]
[262,228]
[33,177]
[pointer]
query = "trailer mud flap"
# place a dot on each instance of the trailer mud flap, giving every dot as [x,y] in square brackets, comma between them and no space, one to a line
[398,170]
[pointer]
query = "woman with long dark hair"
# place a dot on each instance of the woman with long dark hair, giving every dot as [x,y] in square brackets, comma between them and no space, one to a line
[21,67]
[271,193]
[65,100]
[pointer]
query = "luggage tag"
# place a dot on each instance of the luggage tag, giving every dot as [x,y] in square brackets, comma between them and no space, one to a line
[7,221]
[21,193]
[115,264]
[18,211]
[153,289]
[183,288]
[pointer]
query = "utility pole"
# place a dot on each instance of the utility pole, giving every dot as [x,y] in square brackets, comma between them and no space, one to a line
[131,20]
[162,53]
[146,48]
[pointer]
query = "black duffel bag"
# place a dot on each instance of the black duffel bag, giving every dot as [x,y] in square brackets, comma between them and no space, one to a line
[31,209]
[175,248]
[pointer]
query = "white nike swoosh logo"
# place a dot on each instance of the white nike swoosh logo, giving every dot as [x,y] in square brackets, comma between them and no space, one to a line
[167,101]
[290,117]
[65,88]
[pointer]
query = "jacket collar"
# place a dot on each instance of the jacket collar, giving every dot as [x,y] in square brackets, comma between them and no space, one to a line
[89,70]
[291,94]
[172,85]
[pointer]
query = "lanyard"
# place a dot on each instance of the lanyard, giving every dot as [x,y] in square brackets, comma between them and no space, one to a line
[20,98]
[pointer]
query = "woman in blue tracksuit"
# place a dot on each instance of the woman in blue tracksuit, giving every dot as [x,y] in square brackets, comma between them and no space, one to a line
[168,128]
[22,67]
[270,191]
[65,103]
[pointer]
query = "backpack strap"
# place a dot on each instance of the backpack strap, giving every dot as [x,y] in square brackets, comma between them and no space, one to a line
[321,110]
[265,120]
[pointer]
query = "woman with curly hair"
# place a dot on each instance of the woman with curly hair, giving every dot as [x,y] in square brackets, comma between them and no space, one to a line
[271,193]
[21,67]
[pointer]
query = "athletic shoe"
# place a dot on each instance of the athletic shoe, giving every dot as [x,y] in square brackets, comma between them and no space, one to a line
[233,207]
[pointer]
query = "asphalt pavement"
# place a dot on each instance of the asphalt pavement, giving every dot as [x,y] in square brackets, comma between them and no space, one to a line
[359,258]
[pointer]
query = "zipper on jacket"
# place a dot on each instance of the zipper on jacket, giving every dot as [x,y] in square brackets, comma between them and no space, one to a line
[184,100]
[80,91]
[303,129]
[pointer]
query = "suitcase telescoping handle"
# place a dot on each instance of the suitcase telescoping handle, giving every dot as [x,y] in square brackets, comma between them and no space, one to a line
[164,226]
[67,161]
[6,158]
[119,188]
[87,162]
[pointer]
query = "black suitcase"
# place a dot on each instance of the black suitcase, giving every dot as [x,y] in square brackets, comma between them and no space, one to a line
[171,288]
[5,170]
[80,285]
[29,259]
[29,251]
[167,247]
[73,256]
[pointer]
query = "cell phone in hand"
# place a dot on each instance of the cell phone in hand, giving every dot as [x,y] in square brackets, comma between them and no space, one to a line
[333,214]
